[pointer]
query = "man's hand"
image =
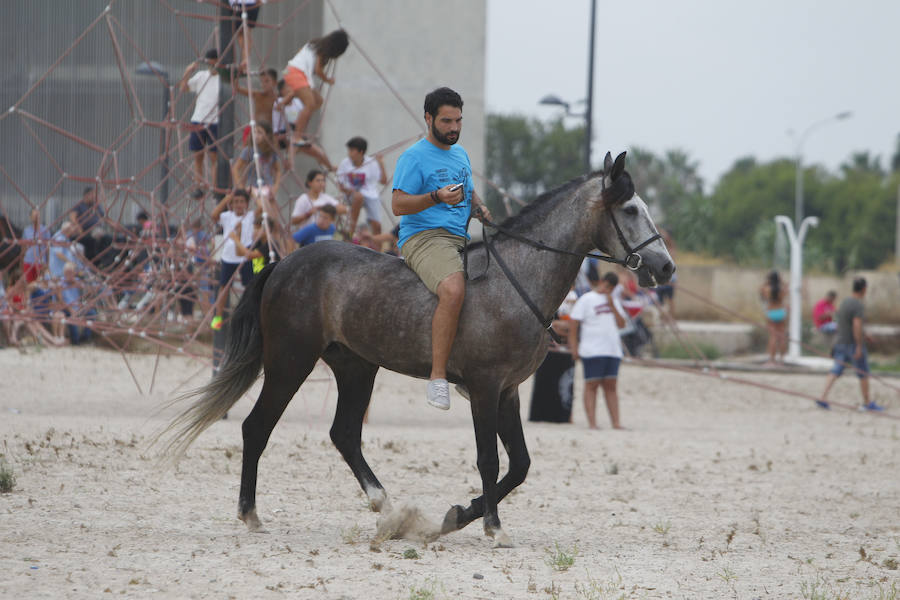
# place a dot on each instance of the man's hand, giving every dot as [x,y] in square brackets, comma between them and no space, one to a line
[481,213]
[451,197]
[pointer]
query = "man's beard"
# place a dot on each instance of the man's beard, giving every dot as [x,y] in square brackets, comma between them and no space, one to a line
[447,140]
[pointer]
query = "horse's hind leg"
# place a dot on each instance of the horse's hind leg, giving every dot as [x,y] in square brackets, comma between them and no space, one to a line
[355,380]
[509,428]
[283,377]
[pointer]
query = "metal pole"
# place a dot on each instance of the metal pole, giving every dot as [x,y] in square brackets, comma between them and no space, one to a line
[897,232]
[226,114]
[165,141]
[798,190]
[589,111]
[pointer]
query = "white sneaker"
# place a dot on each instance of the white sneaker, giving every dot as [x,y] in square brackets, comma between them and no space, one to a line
[439,394]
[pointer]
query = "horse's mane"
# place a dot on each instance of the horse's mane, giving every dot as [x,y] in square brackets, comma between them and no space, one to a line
[621,189]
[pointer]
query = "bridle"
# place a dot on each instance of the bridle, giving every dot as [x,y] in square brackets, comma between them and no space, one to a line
[632,261]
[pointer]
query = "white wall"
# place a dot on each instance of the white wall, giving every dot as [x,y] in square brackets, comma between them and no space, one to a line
[418,45]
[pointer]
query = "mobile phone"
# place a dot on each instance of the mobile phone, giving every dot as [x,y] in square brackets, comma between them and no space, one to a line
[455,187]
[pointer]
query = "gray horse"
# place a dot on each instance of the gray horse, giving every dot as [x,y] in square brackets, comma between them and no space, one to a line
[313,303]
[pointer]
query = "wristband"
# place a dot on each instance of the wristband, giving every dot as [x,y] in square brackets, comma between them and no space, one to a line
[434,197]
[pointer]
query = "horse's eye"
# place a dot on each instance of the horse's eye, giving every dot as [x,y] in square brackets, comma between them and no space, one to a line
[631,211]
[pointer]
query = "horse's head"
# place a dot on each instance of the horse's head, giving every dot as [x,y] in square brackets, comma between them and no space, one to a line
[625,229]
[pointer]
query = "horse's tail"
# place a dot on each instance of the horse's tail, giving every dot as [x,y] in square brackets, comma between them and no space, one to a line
[240,367]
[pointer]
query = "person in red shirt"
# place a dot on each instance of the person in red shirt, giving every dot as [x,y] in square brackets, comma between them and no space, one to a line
[823,313]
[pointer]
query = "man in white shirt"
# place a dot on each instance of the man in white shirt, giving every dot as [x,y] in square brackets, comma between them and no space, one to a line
[358,177]
[599,316]
[205,119]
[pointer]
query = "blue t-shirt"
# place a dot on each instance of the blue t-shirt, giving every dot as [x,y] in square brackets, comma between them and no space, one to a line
[423,168]
[312,234]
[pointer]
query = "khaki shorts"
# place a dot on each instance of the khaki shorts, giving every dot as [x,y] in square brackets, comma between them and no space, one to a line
[434,255]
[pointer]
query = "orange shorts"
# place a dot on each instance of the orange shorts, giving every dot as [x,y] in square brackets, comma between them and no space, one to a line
[296,78]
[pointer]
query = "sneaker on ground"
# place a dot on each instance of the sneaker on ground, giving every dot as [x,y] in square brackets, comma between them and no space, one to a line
[874,406]
[302,143]
[439,394]
[823,404]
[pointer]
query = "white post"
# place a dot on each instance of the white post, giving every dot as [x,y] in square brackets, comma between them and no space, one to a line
[796,240]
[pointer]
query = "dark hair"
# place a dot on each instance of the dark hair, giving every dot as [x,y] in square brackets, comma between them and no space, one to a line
[142,216]
[611,278]
[859,284]
[271,73]
[332,45]
[831,294]
[774,286]
[442,96]
[280,85]
[312,175]
[593,275]
[358,143]
[328,209]
[211,54]
[87,191]
[241,193]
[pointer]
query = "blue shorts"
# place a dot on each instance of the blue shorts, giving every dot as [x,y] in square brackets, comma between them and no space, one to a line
[203,138]
[843,353]
[601,367]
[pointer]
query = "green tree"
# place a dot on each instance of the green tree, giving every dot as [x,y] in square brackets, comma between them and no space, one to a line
[526,157]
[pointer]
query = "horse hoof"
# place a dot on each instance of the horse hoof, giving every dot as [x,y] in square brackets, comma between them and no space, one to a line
[252,522]
[501,540]
[378,501]
[452,519]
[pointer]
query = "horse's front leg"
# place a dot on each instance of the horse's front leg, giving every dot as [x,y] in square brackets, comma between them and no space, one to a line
[484,416]
[509,428]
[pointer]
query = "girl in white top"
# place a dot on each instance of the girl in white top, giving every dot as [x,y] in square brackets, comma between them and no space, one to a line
[307,204]
[599,316]
[306,72]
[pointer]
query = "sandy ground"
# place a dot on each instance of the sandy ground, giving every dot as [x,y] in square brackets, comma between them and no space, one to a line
[719,490]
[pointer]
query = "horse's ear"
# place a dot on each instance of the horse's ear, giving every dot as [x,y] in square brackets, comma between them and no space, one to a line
[618,167]
[607,163]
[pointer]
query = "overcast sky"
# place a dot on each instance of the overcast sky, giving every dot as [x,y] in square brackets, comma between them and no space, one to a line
[720,79]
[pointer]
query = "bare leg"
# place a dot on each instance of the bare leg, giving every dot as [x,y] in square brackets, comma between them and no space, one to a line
[590,401]
[864,388]
[611,395]
[451,292]
[213,159]
[780,340]
[312,100]
[198,168]
[316,152]
[356,202]
[828,383]
[771,342]
[375,226]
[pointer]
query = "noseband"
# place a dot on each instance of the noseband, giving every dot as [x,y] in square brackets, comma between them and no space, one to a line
[633,261]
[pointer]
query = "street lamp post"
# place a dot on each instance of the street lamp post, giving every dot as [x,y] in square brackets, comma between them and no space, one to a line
[155,69]
[588,113]
[797,236]
[798,197]
[796,239]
